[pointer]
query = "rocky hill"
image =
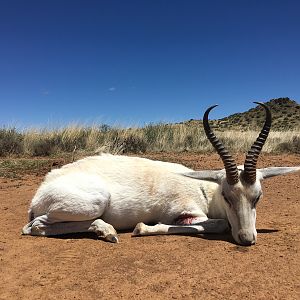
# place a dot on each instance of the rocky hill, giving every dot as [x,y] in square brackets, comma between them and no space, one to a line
[285,116]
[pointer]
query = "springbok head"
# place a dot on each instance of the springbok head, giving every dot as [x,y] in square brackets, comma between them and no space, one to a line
[240,185]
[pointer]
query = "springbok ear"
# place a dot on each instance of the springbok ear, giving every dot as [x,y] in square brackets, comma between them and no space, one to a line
[275,171]
[209,175]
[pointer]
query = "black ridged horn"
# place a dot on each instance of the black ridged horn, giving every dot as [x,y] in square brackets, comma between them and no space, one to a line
[232,174]
[249,174]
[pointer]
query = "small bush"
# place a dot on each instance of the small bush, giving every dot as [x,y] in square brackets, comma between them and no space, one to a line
[151,133]
[43,147]
[188,142]
[292,147]
[134,144]
[11,142]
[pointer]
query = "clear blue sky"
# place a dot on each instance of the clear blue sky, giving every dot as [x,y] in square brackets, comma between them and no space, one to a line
[134,62]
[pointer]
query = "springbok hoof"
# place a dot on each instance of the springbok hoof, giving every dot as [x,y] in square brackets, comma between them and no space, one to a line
[139,229]
[112,238]
[26,229]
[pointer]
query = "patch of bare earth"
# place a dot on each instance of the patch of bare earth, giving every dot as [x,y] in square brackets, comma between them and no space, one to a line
[158,267]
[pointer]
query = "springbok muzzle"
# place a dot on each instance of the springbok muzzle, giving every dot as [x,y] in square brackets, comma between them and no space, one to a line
[246,237]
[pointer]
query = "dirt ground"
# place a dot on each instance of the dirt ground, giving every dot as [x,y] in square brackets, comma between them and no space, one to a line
[79,266]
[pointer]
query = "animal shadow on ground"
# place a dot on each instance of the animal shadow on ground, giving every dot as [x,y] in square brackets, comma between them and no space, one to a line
[226,237]
[75,236]
[267,230]
[82,235]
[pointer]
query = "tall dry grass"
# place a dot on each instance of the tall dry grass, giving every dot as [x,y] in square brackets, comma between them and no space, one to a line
[151,138]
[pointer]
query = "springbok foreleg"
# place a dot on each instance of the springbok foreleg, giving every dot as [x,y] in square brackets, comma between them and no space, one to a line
[207,226]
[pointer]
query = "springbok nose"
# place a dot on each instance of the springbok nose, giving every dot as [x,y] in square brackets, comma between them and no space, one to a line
[247,238]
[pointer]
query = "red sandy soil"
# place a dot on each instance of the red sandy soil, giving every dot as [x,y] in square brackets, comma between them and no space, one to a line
[79,266]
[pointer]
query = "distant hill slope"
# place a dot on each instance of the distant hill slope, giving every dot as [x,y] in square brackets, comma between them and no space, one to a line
[285,116]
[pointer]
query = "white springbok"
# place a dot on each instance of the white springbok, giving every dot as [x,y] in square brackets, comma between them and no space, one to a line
[106,193]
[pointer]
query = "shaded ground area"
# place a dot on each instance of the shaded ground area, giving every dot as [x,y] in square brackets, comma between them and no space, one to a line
[158,267]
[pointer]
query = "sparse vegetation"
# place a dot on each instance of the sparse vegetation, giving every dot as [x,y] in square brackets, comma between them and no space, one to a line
[154,138]
[237,132]
[17,168]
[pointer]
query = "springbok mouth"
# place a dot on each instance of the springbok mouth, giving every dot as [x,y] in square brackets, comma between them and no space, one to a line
[246,239]
[246,244]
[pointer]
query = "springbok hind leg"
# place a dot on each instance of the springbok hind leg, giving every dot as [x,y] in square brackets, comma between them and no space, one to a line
[207,226]
[43,226]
